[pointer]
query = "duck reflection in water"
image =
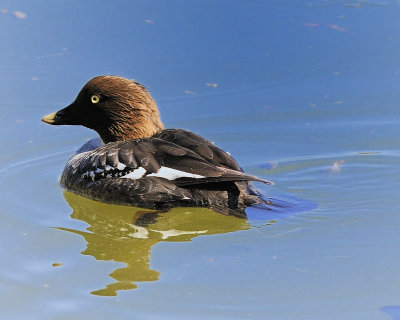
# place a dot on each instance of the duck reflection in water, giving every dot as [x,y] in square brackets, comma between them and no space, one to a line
[128,234]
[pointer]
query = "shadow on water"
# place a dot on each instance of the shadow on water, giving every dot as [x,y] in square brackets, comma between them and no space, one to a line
[282,206]
[127,234]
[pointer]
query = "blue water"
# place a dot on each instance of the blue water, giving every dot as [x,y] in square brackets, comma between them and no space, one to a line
[303,93]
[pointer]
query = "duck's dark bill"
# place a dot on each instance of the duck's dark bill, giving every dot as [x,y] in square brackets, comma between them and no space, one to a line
[64,116]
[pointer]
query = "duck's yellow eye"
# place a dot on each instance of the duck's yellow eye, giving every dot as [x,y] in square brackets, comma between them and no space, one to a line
[95,98]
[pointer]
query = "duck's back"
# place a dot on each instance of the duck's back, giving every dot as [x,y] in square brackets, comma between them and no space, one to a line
[199,145]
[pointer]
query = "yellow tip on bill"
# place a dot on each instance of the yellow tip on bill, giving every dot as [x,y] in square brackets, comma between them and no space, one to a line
[49,118]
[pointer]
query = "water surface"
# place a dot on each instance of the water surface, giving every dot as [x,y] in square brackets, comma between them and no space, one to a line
[304,93]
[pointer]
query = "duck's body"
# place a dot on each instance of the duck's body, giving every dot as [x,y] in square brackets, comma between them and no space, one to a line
[138,163]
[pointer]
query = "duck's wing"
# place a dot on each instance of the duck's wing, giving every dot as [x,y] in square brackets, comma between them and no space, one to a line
[156,158]
[206,149]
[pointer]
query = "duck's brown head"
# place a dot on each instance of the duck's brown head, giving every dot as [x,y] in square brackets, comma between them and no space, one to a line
[117,108]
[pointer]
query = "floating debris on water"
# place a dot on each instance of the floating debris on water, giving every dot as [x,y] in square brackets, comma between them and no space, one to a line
[269,165]
[328,25]
[212,85]
[335,168]
[19,14]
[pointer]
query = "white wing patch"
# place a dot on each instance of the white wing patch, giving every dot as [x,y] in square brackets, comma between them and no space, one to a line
[163,172]
[118,172]
[135,174]
[121,166]
[172,174]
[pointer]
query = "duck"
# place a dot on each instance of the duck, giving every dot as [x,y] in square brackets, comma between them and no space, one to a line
[135,161]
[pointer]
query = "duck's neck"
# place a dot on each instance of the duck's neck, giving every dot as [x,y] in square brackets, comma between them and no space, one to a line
[137,125]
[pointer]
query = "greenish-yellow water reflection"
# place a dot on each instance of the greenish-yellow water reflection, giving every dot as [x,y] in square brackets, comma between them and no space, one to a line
[126,234]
